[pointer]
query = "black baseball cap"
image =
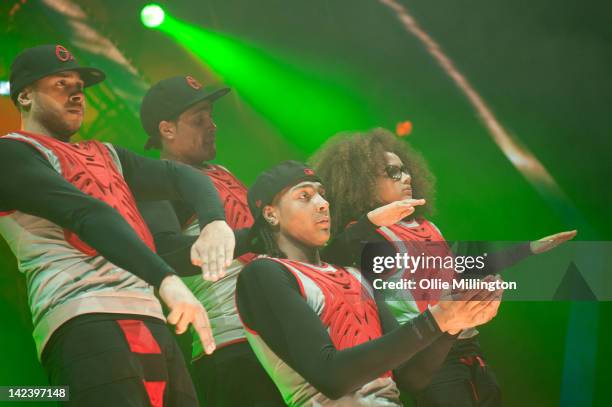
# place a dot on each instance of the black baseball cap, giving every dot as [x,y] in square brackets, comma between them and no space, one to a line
[269,183]
[167,99]
[35,63]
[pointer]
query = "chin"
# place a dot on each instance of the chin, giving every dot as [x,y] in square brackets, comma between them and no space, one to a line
[323,238]
[209,156]
[66,134]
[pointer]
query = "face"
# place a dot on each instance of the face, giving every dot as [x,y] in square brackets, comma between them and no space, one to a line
[394,182]
[302,214]
[192,137]
[57,103]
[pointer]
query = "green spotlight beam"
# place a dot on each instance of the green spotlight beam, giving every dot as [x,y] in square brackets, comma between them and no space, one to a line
[305,106]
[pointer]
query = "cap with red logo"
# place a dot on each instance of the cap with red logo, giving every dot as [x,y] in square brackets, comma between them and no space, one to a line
[167,99]
[35,63]
[269,183]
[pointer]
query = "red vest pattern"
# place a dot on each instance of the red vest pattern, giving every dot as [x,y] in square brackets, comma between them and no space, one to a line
[89,167]
[350,313]
[233,194]
[422,239]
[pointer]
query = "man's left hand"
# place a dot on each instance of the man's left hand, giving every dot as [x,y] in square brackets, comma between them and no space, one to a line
[214,250]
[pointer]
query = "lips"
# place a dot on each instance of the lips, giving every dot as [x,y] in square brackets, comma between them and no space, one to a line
[210,139]
[75,110]
[323,221]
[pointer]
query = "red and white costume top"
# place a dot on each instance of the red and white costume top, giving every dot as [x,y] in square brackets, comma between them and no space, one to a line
[418,237]
[65,277]
[218,297]
[344,301]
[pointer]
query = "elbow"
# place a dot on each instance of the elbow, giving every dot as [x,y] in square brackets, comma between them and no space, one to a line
[417,384]
[413,383]
[93,211]
[332,388]
[331,392]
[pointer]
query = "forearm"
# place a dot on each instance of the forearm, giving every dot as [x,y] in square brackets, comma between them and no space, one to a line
[175,249]
[34,187]
[496,262]
[346,246]
[293,331]
[152,180]
[114,239]
[347,370]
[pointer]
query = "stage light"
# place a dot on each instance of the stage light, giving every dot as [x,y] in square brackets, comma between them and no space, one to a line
[403,129]
[152,15]
[5,88]
[282,93]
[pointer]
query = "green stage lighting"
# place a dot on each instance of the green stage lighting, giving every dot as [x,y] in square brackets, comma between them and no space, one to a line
[152,15]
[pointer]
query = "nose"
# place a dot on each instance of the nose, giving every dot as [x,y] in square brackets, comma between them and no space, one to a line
[77,97]
[322,204]
[406,178]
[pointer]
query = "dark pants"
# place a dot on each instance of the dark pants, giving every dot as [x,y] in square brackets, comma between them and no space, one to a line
[464,380]
[232,376]
[118,360]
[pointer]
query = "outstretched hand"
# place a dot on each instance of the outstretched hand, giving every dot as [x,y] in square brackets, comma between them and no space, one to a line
[392,213]
[550,242]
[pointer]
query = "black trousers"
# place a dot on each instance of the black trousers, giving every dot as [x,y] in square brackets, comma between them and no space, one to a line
[118,360]
[232,376]
[464,380]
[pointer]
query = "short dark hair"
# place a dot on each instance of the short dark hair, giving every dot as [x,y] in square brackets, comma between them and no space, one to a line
[266,237]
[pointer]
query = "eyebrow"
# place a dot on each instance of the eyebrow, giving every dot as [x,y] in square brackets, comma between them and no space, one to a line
[205,106]
[312,185]
[67,75]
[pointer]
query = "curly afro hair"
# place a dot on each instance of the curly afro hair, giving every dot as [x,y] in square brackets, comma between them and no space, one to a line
[349,164]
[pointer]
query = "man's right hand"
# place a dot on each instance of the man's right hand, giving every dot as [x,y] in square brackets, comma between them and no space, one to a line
[467,309]
[392,213]
[185,309]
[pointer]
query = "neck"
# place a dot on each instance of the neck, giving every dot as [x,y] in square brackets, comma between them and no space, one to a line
[298,251]
[32,126]
[168,155]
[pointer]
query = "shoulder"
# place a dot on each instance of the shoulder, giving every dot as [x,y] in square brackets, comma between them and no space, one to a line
[15,144]
[262,264]
[266,271]
[18,153]
[221,168]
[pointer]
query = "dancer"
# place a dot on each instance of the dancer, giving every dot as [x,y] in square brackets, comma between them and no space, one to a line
[69,216]
[382,189]
[318,329]
[177,115]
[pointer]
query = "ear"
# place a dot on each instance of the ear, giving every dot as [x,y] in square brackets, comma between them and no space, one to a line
[24,98]
[167,130]
[270,214]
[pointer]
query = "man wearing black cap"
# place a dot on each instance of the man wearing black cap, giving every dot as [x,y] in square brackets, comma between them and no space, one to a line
[321,331]
[177,115]
[69,215]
